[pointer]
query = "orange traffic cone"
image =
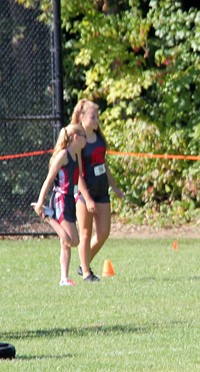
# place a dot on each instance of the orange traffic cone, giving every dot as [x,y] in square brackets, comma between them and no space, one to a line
[175,246]
[108,269]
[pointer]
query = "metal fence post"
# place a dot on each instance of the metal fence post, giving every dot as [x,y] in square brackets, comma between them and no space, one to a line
[58,63]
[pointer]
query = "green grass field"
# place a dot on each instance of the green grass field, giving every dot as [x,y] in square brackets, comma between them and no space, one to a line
[145,318]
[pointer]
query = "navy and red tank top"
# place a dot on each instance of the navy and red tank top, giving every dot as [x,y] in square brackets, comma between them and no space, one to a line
[94,169]
[66,180]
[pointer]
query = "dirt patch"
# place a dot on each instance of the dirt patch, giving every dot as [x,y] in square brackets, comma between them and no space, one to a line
[118,230]
[141,232]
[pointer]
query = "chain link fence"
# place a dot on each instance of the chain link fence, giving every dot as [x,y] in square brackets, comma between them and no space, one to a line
[28,123]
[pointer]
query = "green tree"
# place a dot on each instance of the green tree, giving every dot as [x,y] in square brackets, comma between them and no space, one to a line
[140,61]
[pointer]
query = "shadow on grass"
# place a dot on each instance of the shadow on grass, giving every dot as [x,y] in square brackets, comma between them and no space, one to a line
[40,357]
[81,332]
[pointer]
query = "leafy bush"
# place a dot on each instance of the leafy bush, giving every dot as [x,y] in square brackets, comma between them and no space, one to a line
[139,60]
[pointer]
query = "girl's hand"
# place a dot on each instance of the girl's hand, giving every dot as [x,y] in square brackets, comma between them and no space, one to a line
[112,184]
[90,204]
[118,192]
[38,209]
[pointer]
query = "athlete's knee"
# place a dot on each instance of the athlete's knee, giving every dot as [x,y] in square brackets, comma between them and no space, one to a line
[65,240]
[85,236]
[75,241]
[103,236]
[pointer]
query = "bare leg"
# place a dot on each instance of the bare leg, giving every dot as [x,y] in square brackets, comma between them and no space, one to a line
[68,235]
[85,220]
[65,251]
[102,220]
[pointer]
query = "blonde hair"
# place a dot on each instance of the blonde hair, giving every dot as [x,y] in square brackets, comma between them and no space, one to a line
[80,109]
[65,138]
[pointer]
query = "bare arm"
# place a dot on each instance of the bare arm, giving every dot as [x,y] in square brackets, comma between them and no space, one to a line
[112,184]
[58,162]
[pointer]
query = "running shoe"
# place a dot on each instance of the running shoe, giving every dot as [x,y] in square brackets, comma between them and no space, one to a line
[67,282]
[92,278]
[80,271]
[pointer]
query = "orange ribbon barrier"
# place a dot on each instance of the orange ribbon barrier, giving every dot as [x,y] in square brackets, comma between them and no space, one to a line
[154,156]
[109,152]
[26,154]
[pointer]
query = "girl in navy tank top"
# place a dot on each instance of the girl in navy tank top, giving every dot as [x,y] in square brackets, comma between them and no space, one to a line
[64,173]
[93,202]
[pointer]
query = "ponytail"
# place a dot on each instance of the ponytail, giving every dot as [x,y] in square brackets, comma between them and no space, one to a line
[64,139]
